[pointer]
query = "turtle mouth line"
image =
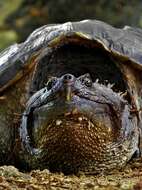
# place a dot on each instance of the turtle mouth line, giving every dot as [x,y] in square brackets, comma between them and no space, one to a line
[73,118]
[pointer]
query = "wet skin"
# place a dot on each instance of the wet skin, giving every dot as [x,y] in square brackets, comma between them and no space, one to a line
[76,125]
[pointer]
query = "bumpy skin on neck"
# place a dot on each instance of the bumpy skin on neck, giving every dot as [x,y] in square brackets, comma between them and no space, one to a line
[76,125]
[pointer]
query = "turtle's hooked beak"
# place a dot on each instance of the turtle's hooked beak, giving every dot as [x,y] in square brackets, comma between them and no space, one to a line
[68,81]
[68,93]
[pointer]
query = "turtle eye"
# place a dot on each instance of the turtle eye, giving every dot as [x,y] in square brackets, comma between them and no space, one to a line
[51,82]
[86,80]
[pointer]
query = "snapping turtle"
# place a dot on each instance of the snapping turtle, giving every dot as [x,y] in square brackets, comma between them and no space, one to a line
[71,98]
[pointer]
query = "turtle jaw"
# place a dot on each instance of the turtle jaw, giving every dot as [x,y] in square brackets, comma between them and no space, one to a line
[77,110]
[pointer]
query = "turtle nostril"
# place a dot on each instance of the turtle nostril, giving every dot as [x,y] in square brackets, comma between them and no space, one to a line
[68,77]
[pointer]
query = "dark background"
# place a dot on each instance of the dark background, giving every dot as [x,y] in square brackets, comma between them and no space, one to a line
[20,17]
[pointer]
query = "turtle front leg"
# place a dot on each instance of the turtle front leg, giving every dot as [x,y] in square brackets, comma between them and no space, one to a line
[33,102]
[38,99]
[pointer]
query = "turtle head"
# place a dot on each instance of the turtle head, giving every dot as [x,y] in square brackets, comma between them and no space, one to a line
[76,124]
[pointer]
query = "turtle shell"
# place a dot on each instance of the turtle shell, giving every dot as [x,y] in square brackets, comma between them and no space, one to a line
[121,43]
[113,55]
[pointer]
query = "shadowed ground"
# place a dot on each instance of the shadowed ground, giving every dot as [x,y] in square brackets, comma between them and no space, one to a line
[128,179]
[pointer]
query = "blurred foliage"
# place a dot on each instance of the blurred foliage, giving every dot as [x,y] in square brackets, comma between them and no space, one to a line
[7,38]
[6,7]
[7,35]
[23,16]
